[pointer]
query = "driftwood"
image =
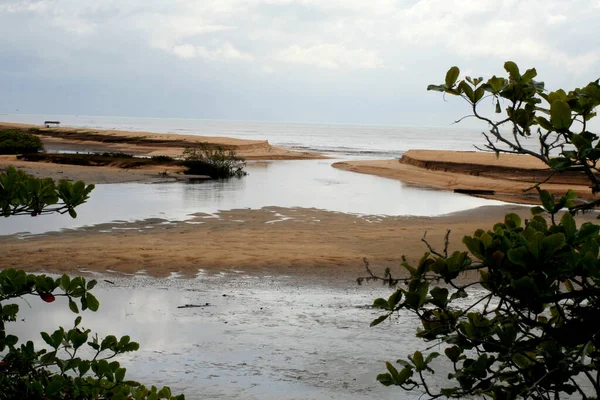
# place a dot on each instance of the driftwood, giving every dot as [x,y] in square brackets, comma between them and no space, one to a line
[194,305]
[475,191]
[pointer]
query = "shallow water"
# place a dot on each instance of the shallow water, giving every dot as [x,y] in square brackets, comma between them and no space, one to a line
[305,183]
[260,338]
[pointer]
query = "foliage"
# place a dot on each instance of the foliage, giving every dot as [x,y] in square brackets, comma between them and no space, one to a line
[18,142]
[214,162]
[22,194]
[163,159]
[529,325]
[58,372]
[116,154]
[557,121]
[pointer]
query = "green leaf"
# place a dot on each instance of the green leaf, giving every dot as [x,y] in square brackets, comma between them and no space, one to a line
[519,256]
[529,75]
[418,361]
[568,223]
[120,374]
[547,200]
[439,296]
[467,90]
[83,367]
[452,76]
[512,69]
[496,84]
[512,220]
[552,243]
[385,379]
[165,392]
[536,210]
[73,306]
[91,284]
[379,320]
[560,163]
[380,303]
[48,339]
[544,123]
[453,353]
[437,88]
[92,302]
[560,115]
[394,299]
[479,92]
[55,385]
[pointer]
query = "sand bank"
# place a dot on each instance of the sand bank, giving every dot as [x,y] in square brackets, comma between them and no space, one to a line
[95,175]
[152,144]
[508,175]
[290,241]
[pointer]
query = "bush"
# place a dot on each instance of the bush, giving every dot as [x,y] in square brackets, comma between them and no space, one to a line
[533,328]
[214,162]
[18,142]
[162,159]
[115,154]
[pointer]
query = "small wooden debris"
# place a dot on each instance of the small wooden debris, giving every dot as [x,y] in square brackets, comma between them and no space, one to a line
[475,191]
[194,305]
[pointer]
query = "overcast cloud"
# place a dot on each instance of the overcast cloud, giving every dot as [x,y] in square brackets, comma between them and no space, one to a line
[349,61]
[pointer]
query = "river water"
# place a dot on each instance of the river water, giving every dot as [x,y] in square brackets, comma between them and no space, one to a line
[259,337]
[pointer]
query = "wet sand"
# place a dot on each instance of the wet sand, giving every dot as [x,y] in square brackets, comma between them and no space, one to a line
[93,175]
[508,175]
[313,243]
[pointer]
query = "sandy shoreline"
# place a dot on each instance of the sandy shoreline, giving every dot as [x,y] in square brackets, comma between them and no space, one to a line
[137,143]
[153,144]
[289,241]
[312,243]
[509,175]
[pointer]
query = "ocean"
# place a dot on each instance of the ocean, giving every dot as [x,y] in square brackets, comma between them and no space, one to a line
[338,140]
[297,183]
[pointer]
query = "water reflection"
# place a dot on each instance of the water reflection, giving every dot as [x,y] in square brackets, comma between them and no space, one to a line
[259,338]
[283,183]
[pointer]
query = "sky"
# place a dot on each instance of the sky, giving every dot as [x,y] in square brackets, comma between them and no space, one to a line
[331,61]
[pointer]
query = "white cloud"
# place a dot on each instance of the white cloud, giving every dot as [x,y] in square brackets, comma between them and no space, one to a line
[332,56]
[185,51]
[365,43]
[223,52]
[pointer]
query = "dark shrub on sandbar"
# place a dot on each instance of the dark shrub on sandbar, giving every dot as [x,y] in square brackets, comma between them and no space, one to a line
[17,142]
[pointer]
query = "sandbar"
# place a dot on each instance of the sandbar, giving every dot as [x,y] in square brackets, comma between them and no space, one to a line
[321,245]
[510,176]
[145,144]
[153,144]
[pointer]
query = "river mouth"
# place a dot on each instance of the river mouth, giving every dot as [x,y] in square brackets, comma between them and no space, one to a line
[299,183]
[252,337]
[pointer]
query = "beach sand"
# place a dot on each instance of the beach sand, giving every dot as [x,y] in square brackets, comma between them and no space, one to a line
[137,143]
[313,243]
[153,144]
[512,177]
[319,244]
